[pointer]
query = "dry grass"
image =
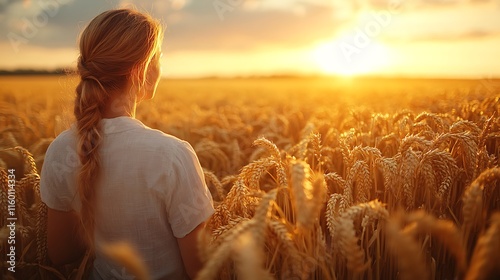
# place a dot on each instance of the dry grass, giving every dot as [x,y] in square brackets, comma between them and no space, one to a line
[308,184]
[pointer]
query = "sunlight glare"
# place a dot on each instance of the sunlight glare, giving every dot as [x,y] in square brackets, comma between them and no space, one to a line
[338,57]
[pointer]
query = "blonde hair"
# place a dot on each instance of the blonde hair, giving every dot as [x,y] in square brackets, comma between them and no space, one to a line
[116,49]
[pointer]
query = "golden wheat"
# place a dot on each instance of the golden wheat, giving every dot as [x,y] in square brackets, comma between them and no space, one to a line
[310,187]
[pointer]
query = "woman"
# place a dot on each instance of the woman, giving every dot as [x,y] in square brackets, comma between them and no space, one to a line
[111,178]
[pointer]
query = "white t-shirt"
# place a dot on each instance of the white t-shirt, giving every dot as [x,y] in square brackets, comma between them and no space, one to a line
[151,190]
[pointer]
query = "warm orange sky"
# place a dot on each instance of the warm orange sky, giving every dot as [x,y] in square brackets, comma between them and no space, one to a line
[436,38]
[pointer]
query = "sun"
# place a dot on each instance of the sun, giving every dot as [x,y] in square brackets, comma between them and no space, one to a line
[342,57]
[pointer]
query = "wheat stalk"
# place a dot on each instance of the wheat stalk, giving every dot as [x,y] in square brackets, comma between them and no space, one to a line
[485,262]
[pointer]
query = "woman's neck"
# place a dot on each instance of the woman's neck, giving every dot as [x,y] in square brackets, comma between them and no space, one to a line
[119,106]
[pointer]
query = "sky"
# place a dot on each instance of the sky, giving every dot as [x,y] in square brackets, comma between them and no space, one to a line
[411,38]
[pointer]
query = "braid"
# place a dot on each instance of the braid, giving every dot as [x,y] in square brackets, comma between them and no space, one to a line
[90,99]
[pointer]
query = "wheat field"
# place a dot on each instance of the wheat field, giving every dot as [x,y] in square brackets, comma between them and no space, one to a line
[312,178]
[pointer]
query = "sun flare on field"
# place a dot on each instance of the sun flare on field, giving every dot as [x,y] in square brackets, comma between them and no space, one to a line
[347,58]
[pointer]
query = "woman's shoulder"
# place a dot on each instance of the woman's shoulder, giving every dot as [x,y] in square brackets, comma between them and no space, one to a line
[165,140]
[67,138]
[159,148]
[61,152]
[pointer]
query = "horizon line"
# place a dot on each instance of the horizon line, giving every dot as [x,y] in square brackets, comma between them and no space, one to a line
[69,71]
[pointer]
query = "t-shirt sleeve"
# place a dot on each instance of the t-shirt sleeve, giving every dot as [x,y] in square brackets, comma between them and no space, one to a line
[56,171]
[190,201]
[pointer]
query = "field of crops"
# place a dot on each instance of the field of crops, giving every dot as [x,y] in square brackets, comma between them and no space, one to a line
[311,178]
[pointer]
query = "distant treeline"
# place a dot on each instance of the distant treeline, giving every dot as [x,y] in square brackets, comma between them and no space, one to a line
[18,72]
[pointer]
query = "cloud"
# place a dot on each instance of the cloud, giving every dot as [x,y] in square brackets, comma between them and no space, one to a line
[5,4]
[445,37]
[47,23]
[241,29]
[196,24]
[413,4]
[191,25]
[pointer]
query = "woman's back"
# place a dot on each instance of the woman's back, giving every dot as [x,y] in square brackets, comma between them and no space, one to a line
[150,192]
